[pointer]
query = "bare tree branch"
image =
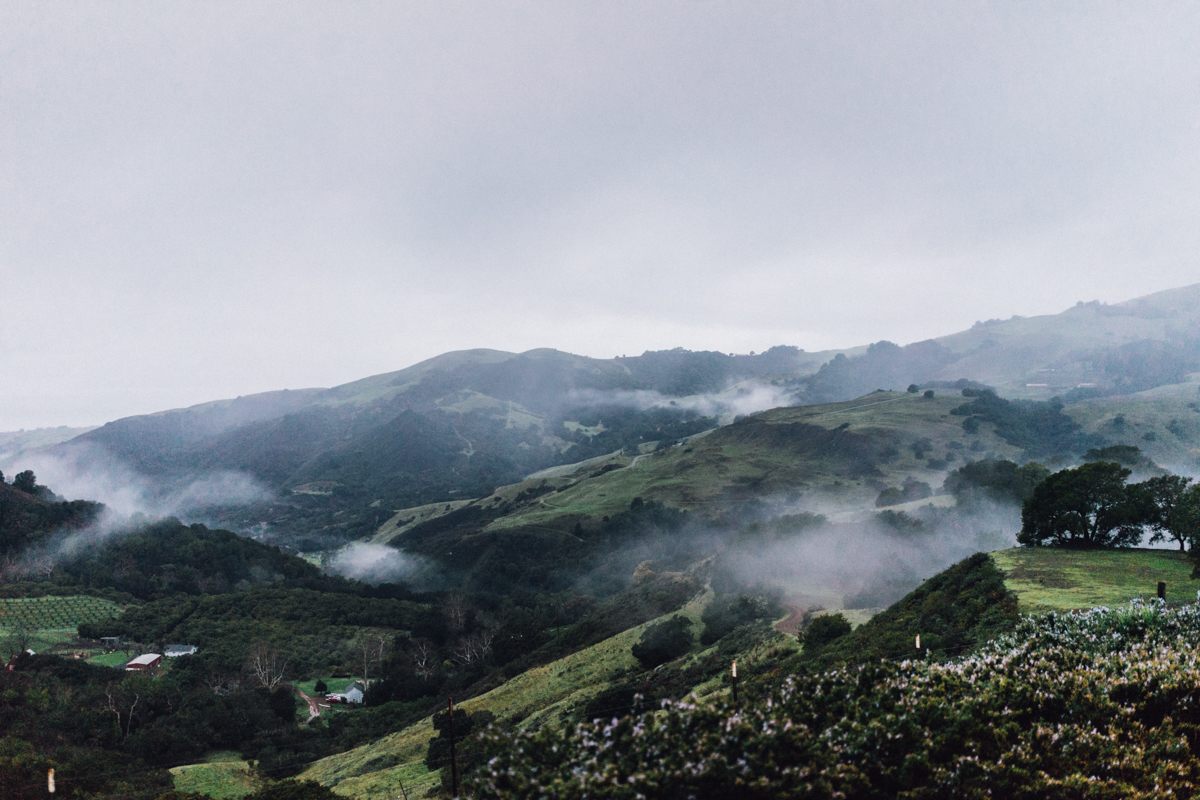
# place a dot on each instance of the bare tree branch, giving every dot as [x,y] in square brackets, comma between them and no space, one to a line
[267,665]
[371,649]
[423,655]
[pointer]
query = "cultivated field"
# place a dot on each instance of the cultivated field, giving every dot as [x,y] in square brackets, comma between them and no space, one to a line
[43,622]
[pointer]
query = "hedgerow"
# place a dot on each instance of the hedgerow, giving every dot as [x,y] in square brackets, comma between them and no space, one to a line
[1095,704]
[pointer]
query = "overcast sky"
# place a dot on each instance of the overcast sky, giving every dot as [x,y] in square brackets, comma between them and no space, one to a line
[203,200]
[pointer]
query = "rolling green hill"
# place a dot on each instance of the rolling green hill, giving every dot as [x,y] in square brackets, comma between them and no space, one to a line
[972,607]
[835,457]
[1164,422]
[552,694]
[337,464]
[835,453]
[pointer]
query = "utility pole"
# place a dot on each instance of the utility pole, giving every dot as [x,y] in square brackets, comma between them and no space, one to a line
[735,697]
[453,758]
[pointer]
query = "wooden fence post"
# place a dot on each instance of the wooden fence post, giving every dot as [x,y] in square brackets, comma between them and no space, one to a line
[453,759]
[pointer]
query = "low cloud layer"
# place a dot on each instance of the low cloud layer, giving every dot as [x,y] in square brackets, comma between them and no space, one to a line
[87,472]
[862,564]
[207,200]
[375,563]
[747,398]
[865,565]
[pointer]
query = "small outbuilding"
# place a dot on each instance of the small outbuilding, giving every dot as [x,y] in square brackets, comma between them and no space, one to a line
[177,650]
[144,663]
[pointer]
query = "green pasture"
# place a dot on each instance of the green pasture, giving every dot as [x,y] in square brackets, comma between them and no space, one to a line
[38,641]
[1045,578]
[223,776]
[117,659]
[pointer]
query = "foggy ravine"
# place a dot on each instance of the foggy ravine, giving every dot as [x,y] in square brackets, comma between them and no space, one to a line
[87,472]
[866,563]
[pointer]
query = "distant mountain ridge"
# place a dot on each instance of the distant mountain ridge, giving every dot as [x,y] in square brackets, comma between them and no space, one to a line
[456,425]
[1125,347]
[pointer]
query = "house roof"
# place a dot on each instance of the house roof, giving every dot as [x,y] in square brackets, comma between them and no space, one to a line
[144,660]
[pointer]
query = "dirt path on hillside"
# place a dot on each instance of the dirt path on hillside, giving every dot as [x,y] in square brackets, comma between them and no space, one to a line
[791,623]
[314,708]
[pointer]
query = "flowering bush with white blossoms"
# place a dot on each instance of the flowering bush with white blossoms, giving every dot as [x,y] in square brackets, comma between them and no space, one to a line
[1092,704]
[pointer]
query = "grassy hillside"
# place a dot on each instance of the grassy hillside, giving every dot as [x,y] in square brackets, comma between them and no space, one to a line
[831,454]
[1095,704]
[548,695]
[1046,578]
[835,459]
[1063,350]
[1164,422]
[541,699]
[223,777]
[541,694]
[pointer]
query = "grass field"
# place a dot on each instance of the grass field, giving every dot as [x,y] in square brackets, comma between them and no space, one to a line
[223,776]
[1048,578]
[116,659]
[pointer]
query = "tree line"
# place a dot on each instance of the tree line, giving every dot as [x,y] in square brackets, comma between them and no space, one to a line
[1094,505]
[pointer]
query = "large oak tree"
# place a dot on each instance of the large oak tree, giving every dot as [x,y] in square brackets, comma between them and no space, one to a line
[1090,506]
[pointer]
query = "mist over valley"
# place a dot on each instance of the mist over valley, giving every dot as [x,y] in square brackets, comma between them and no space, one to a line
[671,401]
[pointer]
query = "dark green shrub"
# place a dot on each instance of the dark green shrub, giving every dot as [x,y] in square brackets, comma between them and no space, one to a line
[663,642]
[294,790]
[822,631]
[723,614]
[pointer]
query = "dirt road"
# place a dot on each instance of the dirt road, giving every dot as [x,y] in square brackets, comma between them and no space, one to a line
[314,708]
[791,623]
